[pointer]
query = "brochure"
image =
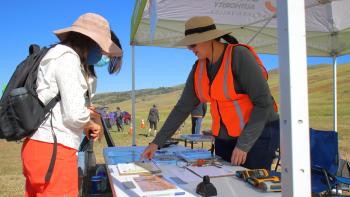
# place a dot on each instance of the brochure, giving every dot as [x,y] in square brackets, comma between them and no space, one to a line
[138,168]
[153,183]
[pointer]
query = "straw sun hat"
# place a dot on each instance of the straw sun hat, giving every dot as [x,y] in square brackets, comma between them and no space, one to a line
[200,29]
[95,27]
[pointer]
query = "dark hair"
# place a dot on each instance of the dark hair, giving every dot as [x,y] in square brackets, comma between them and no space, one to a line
[81,45]
[90,70]
[228,38]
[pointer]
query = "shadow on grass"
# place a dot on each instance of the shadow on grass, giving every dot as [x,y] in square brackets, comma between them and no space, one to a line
[143,134]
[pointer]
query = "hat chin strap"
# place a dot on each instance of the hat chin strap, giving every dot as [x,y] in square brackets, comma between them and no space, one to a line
[212,52]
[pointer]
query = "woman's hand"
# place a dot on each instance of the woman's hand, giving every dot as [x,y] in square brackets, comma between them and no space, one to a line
[238,157]
[93,129]
[148,153]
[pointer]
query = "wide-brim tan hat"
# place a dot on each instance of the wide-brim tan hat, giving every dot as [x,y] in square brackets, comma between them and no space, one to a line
[200,29]
[95,27]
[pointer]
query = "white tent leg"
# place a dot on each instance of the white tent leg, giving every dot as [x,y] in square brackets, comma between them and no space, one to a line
[133,96]
[294,119]
[335,116]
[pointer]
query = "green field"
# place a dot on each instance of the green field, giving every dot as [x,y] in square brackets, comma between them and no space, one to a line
[320,110]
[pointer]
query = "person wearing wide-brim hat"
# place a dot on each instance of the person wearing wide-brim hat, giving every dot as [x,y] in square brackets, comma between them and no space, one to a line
[49,155]
[232,78]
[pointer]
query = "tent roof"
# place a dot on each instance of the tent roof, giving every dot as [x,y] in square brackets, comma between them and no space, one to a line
[252,22]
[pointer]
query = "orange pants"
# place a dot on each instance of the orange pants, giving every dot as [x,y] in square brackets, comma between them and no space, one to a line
[36,157]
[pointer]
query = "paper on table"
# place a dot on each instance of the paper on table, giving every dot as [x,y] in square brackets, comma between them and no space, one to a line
[153,183]
[138,168]
[184,174]
[212,171]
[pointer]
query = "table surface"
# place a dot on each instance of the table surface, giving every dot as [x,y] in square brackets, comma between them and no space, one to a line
[226,186]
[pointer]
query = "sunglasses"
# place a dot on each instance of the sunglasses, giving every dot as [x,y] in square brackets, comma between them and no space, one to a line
[114,63]
[191,46]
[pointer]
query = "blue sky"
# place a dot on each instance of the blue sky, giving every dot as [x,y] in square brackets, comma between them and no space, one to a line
[26,22]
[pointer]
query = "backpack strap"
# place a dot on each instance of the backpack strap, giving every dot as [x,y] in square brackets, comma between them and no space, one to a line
[52,103]
[54,152]
[48,109]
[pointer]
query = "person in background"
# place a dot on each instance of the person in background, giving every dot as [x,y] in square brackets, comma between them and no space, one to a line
[119,119]
[197,116]
[62,71]
[111,118]
[107,120]
[232,78]
[153,119]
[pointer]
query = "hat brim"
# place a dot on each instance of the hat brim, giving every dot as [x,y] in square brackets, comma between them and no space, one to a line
[107,45]
[201,37]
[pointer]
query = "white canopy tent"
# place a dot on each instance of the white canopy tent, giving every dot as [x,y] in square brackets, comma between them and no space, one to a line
[161,23]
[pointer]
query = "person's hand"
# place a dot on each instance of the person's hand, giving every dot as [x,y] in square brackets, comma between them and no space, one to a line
[238,157]
[148,153]
[93,129]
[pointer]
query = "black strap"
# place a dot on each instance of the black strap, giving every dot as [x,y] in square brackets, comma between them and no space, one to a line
[52,103]
[200,29]
[109,139]
[88,164]
[54,151]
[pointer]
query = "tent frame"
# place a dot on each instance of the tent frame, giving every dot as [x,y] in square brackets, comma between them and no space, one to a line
[294,118]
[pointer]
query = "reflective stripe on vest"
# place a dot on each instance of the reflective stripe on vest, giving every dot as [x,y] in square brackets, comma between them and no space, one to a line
[200,80]
[226,71]
[226,105]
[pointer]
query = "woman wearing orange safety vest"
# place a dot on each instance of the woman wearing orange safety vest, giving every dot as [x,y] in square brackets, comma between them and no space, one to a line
[231,77]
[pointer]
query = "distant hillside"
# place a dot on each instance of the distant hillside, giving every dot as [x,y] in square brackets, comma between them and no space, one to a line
[117,97]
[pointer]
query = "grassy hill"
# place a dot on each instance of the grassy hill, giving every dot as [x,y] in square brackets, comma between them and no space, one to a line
[117,97]
[320,111]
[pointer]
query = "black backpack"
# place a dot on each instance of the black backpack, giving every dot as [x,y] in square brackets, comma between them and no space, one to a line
[21,111]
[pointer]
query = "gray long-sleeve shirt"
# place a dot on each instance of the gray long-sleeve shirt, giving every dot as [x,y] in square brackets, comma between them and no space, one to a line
[248,80]
[200,110]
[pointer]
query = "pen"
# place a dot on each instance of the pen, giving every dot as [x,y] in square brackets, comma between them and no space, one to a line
[168,194]
[94,111]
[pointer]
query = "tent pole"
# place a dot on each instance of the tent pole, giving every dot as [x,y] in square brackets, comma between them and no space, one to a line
[335,117]
[294,113]
[133,96]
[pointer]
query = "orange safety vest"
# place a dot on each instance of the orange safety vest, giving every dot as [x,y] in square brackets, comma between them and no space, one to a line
[231,108]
